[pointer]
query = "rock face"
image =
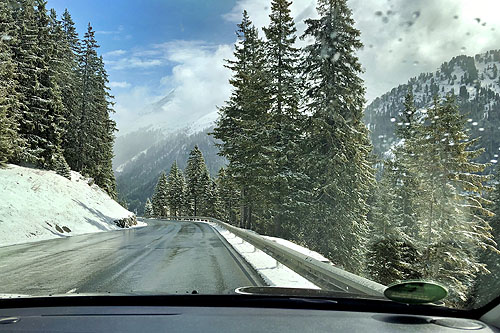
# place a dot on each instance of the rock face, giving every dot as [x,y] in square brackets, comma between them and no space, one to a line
[126,222]
[475,81]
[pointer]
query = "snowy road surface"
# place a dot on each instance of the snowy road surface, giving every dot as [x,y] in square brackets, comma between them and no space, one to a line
[164,257]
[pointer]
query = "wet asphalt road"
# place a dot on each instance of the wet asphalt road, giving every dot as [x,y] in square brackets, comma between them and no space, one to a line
[164,257]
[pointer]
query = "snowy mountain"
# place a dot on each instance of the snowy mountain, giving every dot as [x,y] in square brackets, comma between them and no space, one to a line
[137,177]
[476,83]
[129,146]
[39,204]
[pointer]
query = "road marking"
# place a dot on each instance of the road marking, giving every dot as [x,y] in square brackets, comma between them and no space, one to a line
[71,291]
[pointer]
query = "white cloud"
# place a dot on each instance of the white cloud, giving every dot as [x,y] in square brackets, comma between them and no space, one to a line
[121,84]
[418,36]
[435,35]
[115,53]
[118,31]
[133,62]
[198,77]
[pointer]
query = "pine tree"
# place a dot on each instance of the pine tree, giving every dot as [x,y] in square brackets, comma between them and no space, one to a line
[284,126]
[336,144]
[213,200]
[148,209]
[175,190]
[392,255]
[95,131]
[197,182]
[408,131]
[240,126]
[454,224]
[10,144]
[160,199]
[69,81]
[40,104]
[229,197]
[488,281]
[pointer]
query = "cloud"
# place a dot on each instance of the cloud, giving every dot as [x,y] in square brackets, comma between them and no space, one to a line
[198,79]
[133,62]
[402,38]
[122,84]
[118,31]
[115,53]
[405,38]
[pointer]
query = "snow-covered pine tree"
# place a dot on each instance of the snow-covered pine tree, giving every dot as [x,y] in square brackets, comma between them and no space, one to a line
[48,41]
[454,226]
[40,103]
[284,127]
[69,82]
[148,209]
[408,188]
[10,144]
[95,131]
[229,196]
[488,281]
[175,190]
[213,200]
[241,125]
[64,67]
[337,146]
[197,181]
[160,199]
[391,253]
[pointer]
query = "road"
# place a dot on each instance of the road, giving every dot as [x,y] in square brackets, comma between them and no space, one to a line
[164,257]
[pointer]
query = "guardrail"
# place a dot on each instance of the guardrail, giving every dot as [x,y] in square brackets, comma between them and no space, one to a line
[324,275]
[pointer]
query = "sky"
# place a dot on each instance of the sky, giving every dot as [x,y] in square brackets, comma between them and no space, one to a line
[154,47]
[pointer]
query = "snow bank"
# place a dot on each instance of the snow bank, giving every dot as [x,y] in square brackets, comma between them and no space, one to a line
[273,272]
[298,248]
[39,204]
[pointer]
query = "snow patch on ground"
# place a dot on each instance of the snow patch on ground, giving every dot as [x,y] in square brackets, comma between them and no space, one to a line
[273,272]
[39,204]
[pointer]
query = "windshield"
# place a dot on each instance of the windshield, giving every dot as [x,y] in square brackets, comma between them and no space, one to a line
[173,147]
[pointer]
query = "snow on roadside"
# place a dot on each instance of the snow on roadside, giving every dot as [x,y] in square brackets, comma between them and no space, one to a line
[298,248]
[39,204]
[273,272]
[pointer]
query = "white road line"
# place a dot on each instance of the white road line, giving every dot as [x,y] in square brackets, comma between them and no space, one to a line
[71,291]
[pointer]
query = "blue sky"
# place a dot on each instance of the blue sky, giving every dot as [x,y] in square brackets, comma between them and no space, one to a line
[135,25]
[151,47]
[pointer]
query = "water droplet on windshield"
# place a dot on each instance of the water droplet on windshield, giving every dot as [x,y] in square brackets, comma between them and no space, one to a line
[481,129]
[478,20]
[474,123]
[385,19]
[393,120]
[415,63]
[455,17]
[462,49]
[416,14]
[378,13]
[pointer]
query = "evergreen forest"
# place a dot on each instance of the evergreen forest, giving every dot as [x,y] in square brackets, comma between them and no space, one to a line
[55,104]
